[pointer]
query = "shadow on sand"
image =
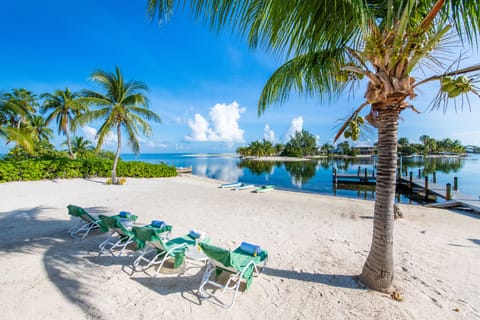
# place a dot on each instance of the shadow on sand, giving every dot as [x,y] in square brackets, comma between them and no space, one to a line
[335,280]
[23,232]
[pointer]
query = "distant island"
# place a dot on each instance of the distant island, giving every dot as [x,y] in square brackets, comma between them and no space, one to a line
[303,146]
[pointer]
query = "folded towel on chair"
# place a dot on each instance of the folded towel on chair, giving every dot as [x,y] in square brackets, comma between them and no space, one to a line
[250,248]
[124,214]
[158,224]
[195,234]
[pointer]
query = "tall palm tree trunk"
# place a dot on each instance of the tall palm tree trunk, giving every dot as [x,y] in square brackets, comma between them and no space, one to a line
[117,154]
[377,272]
[69,144]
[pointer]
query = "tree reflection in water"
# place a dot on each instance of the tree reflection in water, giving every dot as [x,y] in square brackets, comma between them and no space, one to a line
[301,171]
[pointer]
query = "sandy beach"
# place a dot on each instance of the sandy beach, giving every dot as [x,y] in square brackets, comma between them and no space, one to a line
[317,245]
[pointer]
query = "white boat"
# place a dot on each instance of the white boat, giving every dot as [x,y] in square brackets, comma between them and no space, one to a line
[230,185]
[244,186]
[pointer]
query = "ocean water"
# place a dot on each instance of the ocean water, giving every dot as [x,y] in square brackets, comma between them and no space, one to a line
[315,176]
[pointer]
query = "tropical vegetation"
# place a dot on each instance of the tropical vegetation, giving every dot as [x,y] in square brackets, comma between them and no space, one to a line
[429,145]
[331,46]
[123,106]
[301,144]
[24,121]
[64,106]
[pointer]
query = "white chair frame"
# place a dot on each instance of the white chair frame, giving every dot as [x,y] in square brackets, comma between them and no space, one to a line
[233,282]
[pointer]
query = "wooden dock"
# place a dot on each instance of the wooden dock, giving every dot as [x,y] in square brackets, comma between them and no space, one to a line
[453,197]
[362,177]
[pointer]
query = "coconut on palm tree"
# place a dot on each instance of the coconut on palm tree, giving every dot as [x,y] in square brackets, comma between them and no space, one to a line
[332,45]
[64,107]
[123,108]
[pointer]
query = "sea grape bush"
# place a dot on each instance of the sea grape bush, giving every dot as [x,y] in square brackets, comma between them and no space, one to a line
[27,170]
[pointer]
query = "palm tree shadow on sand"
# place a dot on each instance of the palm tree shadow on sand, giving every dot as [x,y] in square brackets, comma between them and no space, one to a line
[25,232]
[335,280]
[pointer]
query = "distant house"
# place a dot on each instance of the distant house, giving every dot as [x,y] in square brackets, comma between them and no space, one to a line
[469,149]
[364,150]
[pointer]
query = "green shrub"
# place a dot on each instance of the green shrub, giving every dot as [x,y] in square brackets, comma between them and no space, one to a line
[38,169]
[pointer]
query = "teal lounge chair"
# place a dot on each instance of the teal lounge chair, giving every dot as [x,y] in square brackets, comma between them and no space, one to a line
[238,264]
[172,249]
[84,224]
[121,234]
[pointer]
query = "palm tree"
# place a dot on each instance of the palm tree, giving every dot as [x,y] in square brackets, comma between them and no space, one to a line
[15,108]
[334,44]
[65,106]
[40,129]
[123,107]
[18,105]
[80,146]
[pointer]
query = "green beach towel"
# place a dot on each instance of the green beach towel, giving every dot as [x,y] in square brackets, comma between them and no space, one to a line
[148,234]
[237,260]
[79,212]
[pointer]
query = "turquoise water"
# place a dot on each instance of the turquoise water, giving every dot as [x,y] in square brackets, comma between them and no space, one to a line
[315,176]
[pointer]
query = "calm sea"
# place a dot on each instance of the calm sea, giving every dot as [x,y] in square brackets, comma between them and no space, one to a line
[315,176]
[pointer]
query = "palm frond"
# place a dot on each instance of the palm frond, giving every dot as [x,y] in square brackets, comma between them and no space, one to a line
[291,27]
[146,113]
[132,138]
[139,122]
[309,74]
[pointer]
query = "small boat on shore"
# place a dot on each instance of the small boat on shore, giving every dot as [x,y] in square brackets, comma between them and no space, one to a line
[264,189]
[230,185]
[244,186]
[184,170]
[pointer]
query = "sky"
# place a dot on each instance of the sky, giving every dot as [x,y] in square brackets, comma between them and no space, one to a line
[204,85]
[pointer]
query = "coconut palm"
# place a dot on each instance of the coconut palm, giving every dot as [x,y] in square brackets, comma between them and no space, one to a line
[80,146]
[123,108]
[15,108]
[39,127]
[64,107]
[332,45]
[18,105]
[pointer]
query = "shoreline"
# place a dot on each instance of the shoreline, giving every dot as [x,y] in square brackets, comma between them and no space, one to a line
[317,245]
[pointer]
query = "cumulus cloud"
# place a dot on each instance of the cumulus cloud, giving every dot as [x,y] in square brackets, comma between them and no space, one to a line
[296,125]
[200,129]
[90,134]
[268,134]
[223,125]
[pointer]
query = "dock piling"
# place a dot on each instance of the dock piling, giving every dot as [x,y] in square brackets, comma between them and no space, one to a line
[426,187]
[455,183]
[449,192]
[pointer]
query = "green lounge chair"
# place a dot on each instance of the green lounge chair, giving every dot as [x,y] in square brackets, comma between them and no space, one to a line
[239,266]
[172,249]
[121,235]
[148,235]
[84,224]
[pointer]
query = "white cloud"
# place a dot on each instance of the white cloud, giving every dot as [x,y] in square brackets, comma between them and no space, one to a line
[200,129]
[223,128]
[296,125]
[268,134]
[90,134]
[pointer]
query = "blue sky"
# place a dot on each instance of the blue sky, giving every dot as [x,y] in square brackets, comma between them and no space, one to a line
[205,86]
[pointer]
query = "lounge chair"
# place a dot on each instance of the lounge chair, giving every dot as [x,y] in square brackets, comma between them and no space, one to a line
[239,265]
[121,235]
[172,249]
[84,224]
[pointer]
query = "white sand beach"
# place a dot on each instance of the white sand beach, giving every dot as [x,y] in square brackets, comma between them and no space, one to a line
[317,245]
